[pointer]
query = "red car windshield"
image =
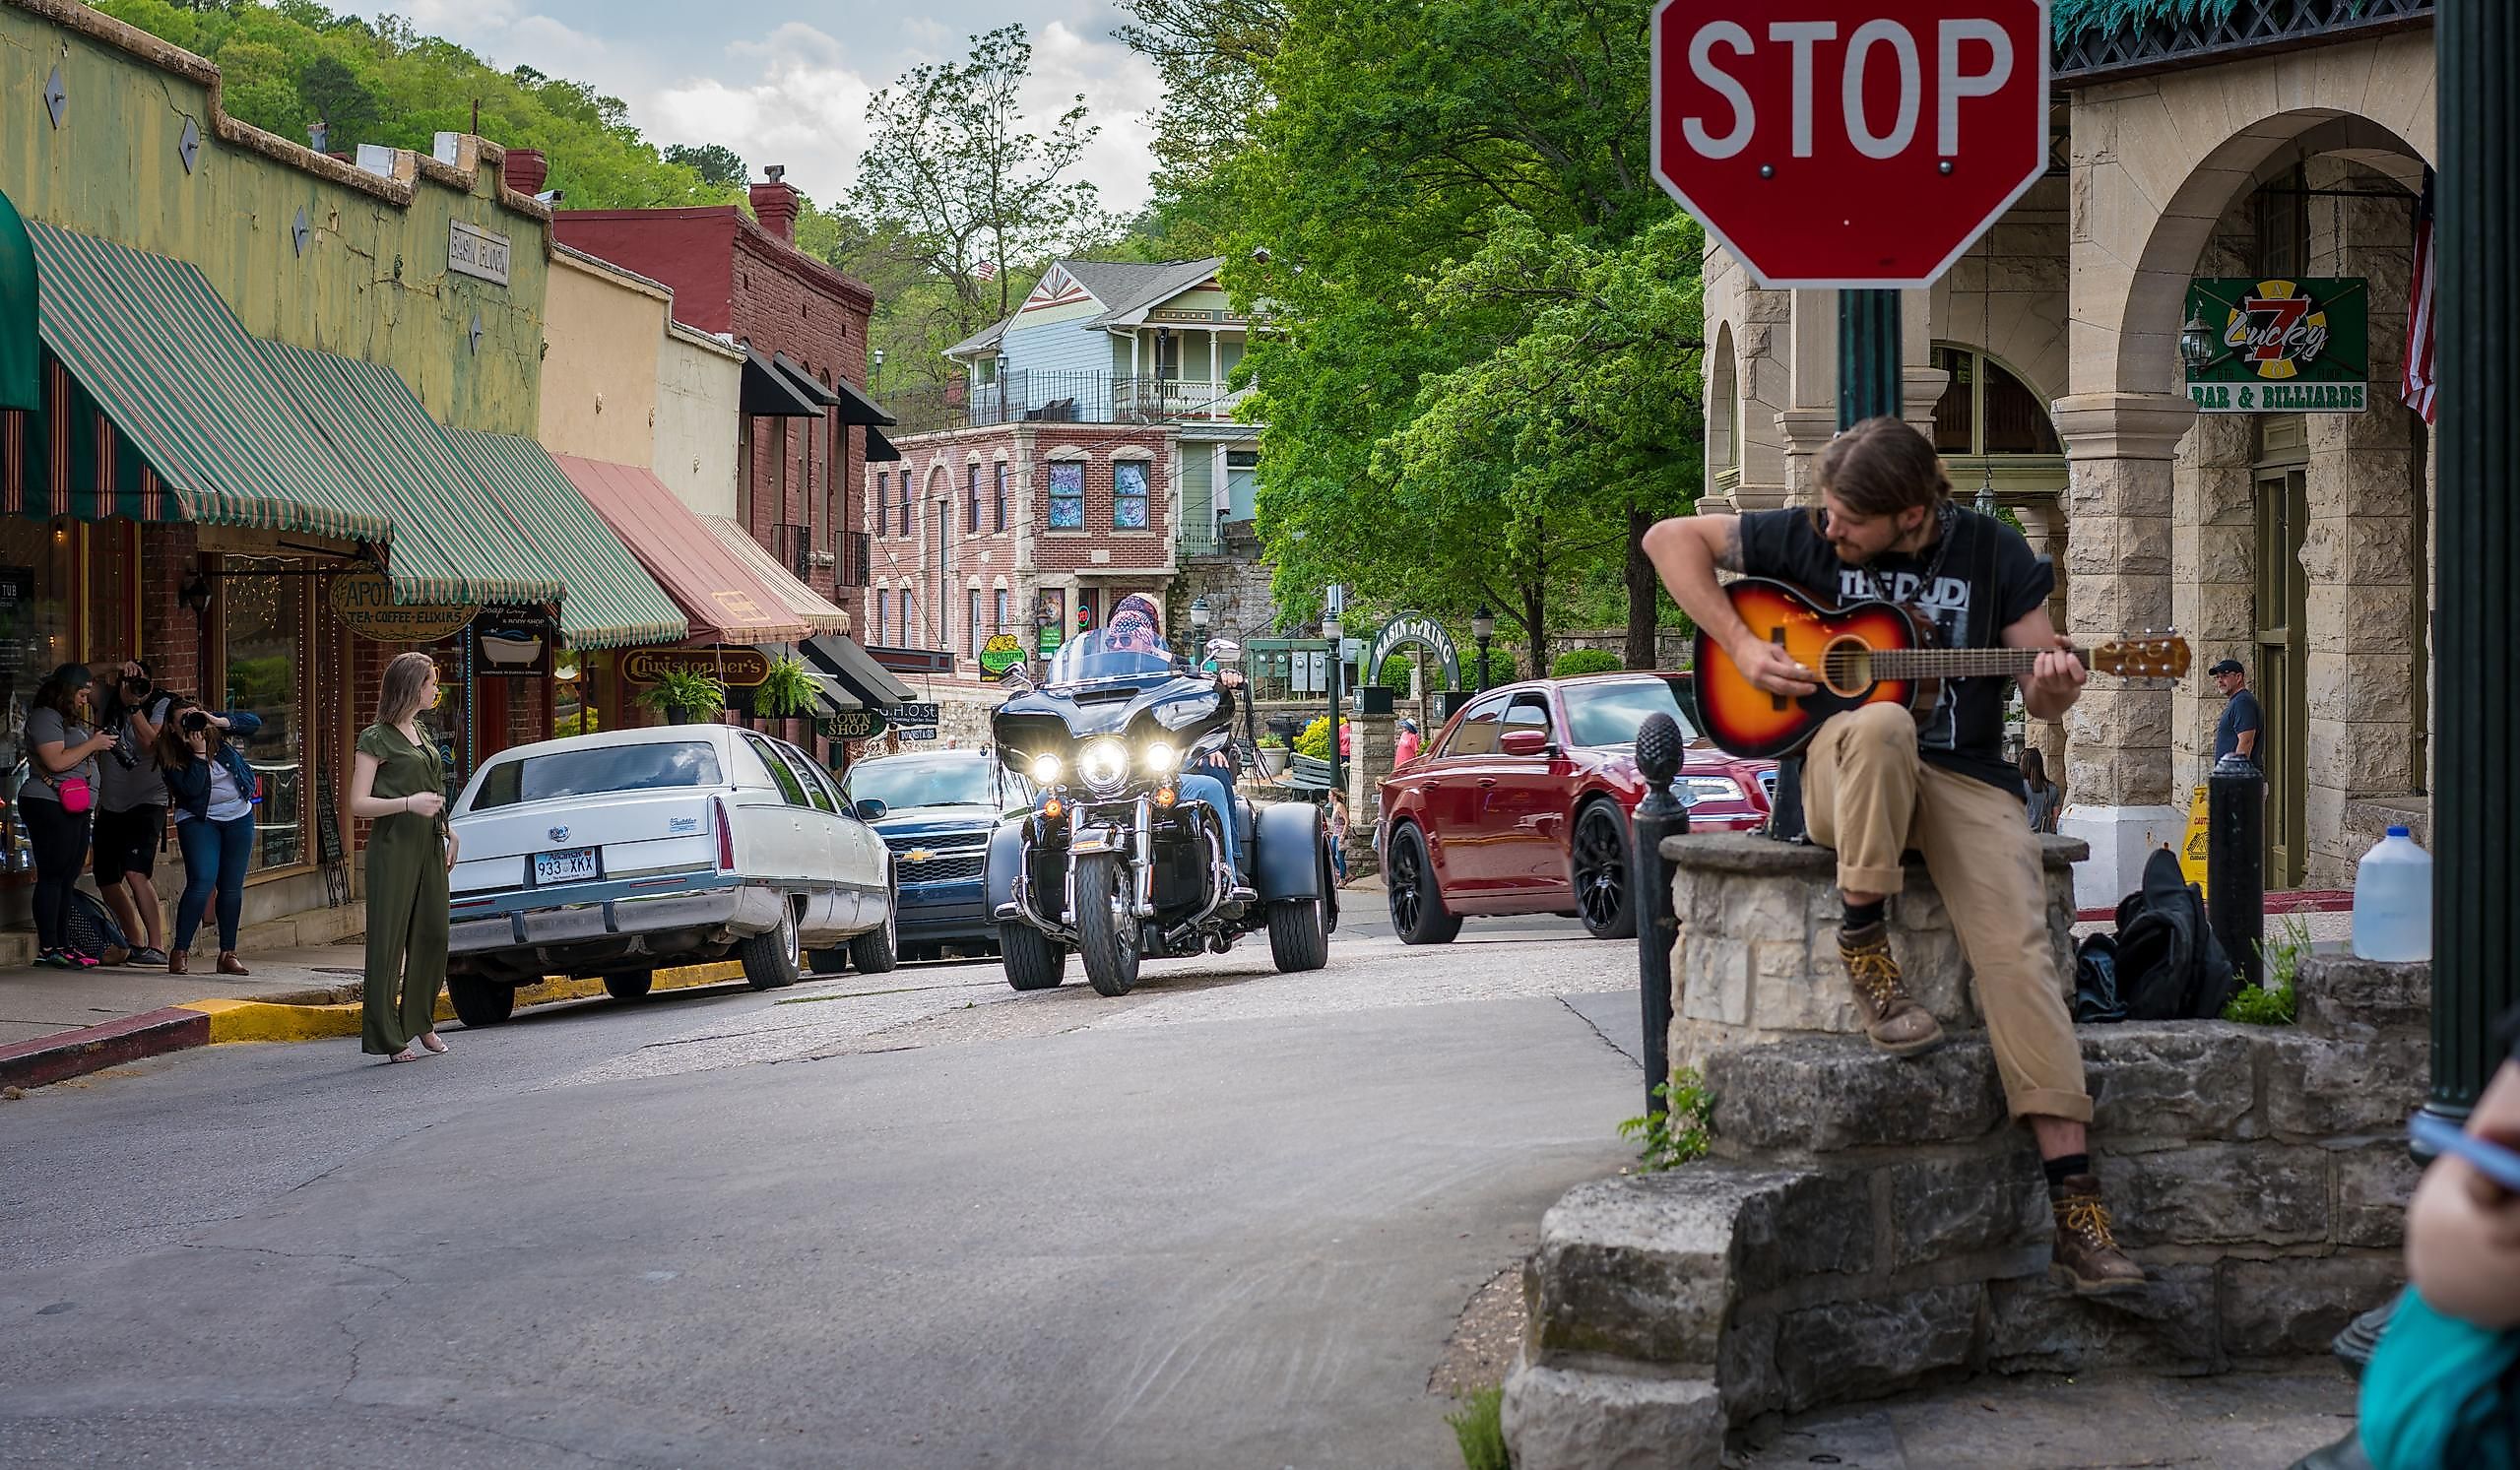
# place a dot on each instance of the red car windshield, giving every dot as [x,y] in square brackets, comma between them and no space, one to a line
[1609,713]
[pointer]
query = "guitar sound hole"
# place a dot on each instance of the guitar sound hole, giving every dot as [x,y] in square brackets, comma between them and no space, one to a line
[1846,667]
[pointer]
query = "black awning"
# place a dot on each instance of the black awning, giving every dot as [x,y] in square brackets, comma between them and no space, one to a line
[879,450]
[811,385]
[770,393]
[848,662]
[857,407]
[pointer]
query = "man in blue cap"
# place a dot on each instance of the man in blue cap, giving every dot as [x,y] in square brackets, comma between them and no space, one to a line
[2242,717]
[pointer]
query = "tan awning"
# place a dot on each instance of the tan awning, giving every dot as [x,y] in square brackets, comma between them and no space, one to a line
[817,610]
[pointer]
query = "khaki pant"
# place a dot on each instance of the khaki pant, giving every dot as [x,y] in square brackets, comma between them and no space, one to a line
[1869,794]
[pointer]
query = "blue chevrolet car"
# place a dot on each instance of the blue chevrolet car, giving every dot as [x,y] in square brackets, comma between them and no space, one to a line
[937,812]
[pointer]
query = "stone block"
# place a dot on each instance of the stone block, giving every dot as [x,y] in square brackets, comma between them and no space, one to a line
[2218,1195]
[2359,759]
[1746,1368]
[1825,1094]
[2373,1187]
[1941,1208]
[1713,974]
[1791,992]
[2173,1325]
[2326,1087]
[2339,992]
[1640,1268]
[2360,619]
[2366,687]
[1561,1419]
[2294,1305]
[1815,1225]
[1864,1349]
[2181,1079]
[2363,551]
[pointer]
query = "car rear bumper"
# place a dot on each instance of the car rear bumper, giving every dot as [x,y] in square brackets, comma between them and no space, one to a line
[588,927]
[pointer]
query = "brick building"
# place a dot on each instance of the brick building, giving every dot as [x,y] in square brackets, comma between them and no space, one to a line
[808,426]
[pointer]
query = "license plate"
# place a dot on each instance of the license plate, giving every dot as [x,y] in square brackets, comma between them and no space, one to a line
[574,865]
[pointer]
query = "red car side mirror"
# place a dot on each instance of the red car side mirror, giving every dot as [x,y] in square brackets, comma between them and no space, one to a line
[1525,741]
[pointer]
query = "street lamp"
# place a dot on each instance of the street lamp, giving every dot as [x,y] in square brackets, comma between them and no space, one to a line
[2196,343]
[1482,628]
[1199,616]
[1333,630]
[875,380]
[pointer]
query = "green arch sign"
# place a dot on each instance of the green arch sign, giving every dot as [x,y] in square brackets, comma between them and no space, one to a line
[1419,629]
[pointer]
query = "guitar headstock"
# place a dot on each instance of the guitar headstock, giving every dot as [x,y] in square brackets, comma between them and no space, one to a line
[2150,656]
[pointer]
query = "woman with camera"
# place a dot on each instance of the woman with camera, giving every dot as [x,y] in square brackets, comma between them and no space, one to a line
[58,802]
[212,791]
[131,811]
[396,781]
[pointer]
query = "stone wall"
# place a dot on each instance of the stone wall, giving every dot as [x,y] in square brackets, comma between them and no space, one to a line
[1867,1224]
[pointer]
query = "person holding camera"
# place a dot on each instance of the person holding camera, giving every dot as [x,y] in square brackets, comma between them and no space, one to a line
[214,793]
[131,811]
[58,803]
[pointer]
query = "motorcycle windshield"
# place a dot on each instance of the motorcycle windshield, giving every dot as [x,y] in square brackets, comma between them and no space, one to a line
[1104,657]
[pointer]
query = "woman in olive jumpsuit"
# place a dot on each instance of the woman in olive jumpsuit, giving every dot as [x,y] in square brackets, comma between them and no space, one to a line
[398,782]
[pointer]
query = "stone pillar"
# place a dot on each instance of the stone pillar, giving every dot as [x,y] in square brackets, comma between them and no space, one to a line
[2359,553]
[2214,602]
[1763,357]
[1370,745]
[2117,550]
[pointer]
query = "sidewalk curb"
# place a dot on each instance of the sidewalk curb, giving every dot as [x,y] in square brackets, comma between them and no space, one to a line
[215,1022]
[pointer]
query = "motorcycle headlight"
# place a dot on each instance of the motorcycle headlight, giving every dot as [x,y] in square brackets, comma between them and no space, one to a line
[1103,763]
[1045,770]
[1162,759]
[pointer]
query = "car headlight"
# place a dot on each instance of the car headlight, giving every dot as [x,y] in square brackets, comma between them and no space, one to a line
[1103,763]
[1162,759]
[1713,789]
[1045,770]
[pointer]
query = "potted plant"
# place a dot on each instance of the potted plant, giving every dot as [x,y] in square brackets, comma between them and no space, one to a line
[784,692]
[1271,751]
[685,698]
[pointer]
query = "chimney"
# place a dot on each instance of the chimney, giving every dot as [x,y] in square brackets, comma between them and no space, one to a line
[774,204]
[525,170]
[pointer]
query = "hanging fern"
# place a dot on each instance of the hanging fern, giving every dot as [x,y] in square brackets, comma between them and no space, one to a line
[2075,16]
[784,690]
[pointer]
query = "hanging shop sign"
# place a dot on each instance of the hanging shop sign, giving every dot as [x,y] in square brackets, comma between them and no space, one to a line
[1003,652]
[364,603]
[2282,347]
[853,725]
[735,668]
[511,643]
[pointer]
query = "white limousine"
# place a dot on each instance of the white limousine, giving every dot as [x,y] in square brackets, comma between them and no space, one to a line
[609,855]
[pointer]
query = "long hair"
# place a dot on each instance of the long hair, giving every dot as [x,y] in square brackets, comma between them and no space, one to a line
[405,677]
[175,749]
[2033,768]
[60,692]
[1881,467]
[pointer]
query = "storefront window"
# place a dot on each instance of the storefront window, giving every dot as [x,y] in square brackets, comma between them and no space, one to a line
[448,722]
[39,629]
[262,612]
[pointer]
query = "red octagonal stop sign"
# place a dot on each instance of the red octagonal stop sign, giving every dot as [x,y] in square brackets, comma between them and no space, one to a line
[1850,143]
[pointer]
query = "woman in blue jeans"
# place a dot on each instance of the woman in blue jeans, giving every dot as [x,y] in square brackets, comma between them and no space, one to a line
[211,792]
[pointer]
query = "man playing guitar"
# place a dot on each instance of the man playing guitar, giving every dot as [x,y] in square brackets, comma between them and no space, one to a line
[1880,778]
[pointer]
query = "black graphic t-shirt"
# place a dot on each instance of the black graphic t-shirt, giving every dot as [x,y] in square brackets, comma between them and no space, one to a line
[1988,580]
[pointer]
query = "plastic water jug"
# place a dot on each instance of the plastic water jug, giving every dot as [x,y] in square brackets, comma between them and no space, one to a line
[2393,901]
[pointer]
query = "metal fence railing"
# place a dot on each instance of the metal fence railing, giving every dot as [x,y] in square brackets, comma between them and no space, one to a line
[1053,397]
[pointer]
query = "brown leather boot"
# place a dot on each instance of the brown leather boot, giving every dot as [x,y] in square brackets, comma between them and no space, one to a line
[229,964]
[179,962]
[2087,1255]
[1893,1019]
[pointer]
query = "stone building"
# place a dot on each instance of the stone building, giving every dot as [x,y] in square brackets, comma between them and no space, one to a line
[2285,142]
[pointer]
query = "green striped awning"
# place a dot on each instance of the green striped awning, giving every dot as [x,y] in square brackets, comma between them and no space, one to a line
[18,292]
[612,600]
[175,373]
[454,542]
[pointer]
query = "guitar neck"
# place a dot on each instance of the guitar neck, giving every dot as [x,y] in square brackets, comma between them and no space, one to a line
[1958,663]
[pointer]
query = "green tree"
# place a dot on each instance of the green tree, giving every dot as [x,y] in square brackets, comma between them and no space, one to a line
[713,161]
[333,93]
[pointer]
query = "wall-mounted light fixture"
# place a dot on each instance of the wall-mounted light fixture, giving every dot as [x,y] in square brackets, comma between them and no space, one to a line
[196,594]
[2196,343]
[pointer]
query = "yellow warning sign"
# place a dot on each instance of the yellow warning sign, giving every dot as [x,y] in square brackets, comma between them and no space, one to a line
[2191,850]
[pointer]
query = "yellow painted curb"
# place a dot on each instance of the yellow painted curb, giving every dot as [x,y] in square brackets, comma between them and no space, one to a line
[265,1021]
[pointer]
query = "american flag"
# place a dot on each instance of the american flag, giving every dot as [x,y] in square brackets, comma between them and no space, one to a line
[2417,388]
[987,270]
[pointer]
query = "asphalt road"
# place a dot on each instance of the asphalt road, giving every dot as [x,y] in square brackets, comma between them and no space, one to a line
[914,1219]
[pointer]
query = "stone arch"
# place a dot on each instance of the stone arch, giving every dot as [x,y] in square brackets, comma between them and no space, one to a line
[1723,416]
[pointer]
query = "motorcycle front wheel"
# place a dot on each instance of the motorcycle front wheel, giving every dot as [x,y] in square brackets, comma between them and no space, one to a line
[1106,929]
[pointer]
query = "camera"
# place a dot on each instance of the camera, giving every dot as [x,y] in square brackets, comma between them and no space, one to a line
[137,686]
[195,721]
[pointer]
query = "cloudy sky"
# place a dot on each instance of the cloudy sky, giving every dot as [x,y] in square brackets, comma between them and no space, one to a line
[783,83]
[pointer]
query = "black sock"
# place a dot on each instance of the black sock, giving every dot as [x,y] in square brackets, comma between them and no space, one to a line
[1861,916]
[2060,1169]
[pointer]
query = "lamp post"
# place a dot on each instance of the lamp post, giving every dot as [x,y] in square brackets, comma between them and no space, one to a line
[874,379]
[1199,614]
[1482,628]
[1332,629]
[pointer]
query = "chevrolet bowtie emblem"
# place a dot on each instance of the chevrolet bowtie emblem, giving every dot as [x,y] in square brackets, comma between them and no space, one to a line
[918,855]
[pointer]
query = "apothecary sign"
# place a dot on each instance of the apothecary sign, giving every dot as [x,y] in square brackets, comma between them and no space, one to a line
[474,251]
[364,603]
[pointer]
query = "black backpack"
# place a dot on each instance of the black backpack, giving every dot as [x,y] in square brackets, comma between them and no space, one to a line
[2170,965]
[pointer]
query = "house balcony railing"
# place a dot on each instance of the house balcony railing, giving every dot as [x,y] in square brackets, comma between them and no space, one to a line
[2202,34]
[1063,397]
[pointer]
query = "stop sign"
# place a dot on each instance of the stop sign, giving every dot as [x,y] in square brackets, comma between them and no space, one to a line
[1850,143]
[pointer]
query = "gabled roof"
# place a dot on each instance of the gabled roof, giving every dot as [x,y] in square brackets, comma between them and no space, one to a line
[1125,290]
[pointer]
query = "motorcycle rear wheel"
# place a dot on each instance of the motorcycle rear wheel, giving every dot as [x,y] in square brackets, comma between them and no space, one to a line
[1106,929]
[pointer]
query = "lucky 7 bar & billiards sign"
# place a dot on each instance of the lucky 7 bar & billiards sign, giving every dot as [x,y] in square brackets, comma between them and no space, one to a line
[2281,346]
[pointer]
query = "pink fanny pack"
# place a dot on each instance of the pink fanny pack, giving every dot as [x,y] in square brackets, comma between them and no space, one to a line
[76,797]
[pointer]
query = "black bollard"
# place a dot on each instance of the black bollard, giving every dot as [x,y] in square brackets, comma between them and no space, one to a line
[1660,815]
[2235,862]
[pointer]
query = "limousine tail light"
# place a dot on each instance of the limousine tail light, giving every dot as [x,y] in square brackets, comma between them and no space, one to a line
[725,835]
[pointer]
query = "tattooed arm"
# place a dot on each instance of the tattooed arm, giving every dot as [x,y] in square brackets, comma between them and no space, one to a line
[1687,551]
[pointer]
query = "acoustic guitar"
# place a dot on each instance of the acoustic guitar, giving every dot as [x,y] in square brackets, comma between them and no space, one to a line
[1867,653]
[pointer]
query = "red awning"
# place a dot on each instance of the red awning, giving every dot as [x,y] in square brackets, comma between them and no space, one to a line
[724,601]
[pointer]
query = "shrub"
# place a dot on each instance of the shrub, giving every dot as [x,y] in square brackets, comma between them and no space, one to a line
[1479,1425]
[1315,738]
[1677,1136]
[1576,661]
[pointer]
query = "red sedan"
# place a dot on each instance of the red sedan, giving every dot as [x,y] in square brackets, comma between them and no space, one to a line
[1520,804]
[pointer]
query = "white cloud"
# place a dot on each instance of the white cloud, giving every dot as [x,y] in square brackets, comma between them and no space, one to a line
[1120,87]
[802,106]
